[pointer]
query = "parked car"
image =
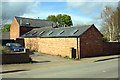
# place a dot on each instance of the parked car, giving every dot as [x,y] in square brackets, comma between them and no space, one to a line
[15,47]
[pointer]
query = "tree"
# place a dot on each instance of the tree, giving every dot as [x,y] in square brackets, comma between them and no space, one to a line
[52,18]
[61,20]
[67,20]
[6,28]
[111,22]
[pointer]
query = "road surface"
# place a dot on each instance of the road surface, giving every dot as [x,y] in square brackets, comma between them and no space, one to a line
[101,69]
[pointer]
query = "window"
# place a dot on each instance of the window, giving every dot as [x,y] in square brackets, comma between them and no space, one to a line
[27,33]
[27,23]
[50,32]
[34,32]
[61,32]
[41,32]
[75,31]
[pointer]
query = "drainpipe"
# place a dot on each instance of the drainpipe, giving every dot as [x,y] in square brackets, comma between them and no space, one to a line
[78,54]
[80,48]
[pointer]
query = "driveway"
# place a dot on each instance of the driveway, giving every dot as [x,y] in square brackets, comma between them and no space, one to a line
[45,61]
[39,61]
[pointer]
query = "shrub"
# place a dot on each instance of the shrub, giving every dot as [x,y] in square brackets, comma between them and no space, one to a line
[105,39]
[59,55]
[67,57]
[4,49]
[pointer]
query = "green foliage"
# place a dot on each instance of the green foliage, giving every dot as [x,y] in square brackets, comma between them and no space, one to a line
[6,28]
[52,18]
[59,55]
[4,49]
[62,20]
[67,57]
[67,20]
[74,58]
[106,39]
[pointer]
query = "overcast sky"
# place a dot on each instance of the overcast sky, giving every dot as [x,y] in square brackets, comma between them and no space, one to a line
[81,11]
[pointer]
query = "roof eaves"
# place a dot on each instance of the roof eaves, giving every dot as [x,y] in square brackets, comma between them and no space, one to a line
[59,36]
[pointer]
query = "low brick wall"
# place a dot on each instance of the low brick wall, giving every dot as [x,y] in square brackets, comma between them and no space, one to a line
[15,58]
[110,48]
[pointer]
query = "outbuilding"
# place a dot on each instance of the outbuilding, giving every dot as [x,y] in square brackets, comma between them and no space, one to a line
[75,42]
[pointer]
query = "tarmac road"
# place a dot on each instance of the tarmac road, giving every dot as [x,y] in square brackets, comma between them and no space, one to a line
[100,69]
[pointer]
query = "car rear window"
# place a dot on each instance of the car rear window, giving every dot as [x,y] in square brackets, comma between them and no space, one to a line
[13,45]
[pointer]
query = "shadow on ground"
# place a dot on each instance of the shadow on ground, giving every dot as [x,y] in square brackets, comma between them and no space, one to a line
[106,59]
[12,71]
[40,61]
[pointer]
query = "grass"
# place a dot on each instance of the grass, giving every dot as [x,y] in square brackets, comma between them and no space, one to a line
[67,57]
[59,55]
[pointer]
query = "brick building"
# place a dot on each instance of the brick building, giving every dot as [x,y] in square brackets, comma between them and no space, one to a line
[22,25]
[75,42]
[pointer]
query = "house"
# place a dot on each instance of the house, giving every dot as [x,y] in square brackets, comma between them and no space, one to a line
[75,42]
[22,25]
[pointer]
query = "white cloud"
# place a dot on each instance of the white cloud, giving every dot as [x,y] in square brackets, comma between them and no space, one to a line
[41,14]
[92,0]
[51,0]
[84,20]
[11,9]
[60,0]
[90,7]
[80,19]
[18,0]
[89,11]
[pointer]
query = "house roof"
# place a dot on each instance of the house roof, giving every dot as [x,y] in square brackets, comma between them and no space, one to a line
[4,35]
[29,22]
[57,32]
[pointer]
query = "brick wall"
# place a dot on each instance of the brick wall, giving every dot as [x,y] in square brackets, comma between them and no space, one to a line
[23,30]
[14,30]
[54,46]
[91,43]
[111,48]
[15,58]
